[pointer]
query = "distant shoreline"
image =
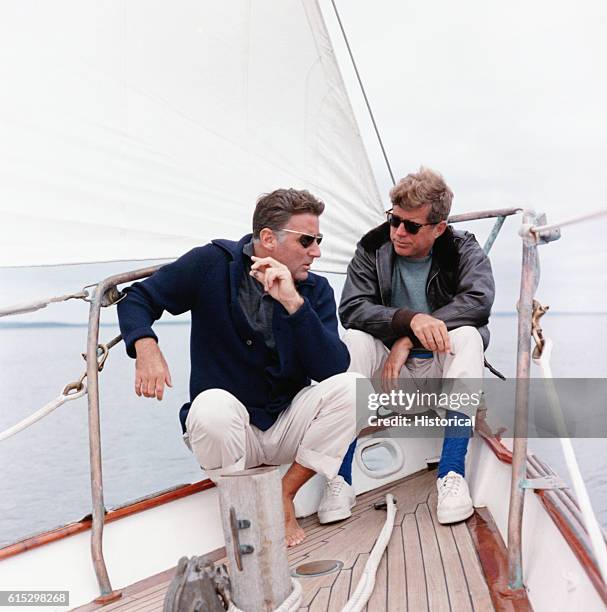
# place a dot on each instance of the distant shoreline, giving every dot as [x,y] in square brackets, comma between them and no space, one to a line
[60,324]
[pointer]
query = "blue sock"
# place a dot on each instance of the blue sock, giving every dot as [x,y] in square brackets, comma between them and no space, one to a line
[345,471]
[455,446]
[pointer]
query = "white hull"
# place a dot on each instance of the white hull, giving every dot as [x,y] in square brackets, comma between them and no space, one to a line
[553,576]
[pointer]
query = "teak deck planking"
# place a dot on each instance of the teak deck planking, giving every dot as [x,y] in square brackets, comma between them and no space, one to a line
[427,566]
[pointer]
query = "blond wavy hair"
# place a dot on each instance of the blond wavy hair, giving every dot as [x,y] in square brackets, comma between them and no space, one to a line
[420,189]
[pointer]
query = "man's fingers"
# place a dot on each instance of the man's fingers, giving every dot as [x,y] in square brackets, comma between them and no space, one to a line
[260,262]
[444,337]
[269,279]
[138,386]
[438,340]
[447,339]
[264,261]
[258,276]
[167,378]
[159,388]
[386,381]
[265,264]
[425,340]
[149,388]
[390,373]
[385,377]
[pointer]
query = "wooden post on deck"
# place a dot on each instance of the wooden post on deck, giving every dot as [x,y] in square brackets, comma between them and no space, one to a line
[253,527]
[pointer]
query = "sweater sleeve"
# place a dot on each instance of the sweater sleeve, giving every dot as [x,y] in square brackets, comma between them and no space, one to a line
[318,345]
[173,288]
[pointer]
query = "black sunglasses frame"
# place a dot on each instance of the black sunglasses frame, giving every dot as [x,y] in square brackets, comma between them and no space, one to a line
[411,226]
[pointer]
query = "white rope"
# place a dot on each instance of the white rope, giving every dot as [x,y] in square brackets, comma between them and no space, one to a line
[290,604]
[39,414]
[552,226]
[366,583]
[597,540]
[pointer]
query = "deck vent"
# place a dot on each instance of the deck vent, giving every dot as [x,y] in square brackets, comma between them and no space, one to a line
[317,568]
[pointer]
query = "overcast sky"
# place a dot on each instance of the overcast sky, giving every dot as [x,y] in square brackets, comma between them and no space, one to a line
[507,100]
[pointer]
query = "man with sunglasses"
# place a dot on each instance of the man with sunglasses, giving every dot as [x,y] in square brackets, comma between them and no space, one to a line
[263,327]
[416,304]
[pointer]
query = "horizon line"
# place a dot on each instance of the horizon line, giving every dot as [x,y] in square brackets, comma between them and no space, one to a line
[55,324]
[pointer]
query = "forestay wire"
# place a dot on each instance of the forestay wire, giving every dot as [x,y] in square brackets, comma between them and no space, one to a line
[362,88]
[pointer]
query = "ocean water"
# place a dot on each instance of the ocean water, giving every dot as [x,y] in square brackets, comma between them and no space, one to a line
[44,471]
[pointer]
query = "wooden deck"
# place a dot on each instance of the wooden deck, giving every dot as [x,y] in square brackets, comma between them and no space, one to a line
[427,566]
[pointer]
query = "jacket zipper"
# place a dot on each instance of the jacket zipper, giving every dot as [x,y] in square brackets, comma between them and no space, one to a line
[431,279]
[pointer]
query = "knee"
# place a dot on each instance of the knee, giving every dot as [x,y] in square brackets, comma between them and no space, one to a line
[345,384]
[466,336]
[346,390]
[361,345]
[215,411]
[358,342]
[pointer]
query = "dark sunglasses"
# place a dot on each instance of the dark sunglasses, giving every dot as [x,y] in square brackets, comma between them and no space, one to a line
[305,239]
[411,226]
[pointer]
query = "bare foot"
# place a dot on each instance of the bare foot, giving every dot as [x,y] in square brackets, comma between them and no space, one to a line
[294,534]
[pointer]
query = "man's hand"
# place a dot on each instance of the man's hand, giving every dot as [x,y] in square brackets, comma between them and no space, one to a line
[277,282]
[484,428]
[395,361]
[432,333]
[151,369]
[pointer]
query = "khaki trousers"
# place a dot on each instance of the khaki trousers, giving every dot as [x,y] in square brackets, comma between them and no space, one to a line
[315,430]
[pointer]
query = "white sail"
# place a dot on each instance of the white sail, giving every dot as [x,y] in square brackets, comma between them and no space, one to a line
[139,129]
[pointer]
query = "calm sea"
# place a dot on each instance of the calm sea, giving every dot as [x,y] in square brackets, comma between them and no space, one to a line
[45,470]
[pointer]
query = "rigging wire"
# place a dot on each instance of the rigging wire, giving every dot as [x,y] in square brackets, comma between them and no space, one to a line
[553,226]
[362,88]
[39,304]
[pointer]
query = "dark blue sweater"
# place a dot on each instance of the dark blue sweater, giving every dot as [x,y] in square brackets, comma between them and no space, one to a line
[225,352]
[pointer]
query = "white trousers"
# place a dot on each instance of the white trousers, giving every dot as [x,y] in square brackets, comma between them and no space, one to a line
[464,361]
[315,430]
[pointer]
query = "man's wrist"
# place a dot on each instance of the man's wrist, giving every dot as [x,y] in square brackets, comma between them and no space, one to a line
[408,342]
[144,344]
[401,321]
[292,305]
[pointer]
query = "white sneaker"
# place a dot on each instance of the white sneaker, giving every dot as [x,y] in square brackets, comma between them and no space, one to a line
[337,501]
[454,502]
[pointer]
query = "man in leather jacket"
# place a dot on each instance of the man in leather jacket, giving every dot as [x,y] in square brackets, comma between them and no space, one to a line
[416,304]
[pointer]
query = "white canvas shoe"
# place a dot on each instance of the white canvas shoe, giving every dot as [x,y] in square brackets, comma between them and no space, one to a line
[454,502]
[337,501]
